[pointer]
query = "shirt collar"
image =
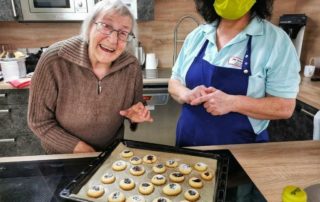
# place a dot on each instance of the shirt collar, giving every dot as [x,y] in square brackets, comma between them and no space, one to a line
[254,28]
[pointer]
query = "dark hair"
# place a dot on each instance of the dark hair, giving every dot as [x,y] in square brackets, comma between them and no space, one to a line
[261,9]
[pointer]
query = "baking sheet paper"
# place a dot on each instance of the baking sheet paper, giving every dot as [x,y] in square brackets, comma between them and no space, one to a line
[206,192]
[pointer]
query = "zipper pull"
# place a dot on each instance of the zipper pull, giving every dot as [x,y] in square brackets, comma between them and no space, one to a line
[99,87]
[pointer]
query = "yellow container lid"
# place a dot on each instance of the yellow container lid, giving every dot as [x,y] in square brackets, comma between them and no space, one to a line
[293,194]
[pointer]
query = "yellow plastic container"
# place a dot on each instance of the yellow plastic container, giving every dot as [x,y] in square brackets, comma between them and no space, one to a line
[293,194]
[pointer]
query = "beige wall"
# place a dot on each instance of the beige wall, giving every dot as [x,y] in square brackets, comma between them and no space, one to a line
[157,36]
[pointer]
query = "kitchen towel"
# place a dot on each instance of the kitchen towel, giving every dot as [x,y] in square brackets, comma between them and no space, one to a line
[20,83]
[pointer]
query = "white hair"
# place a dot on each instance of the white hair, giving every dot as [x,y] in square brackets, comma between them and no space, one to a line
[106,7]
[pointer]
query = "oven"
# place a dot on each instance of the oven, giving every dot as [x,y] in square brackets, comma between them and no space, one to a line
[42,178]
[164,110]
[56,10]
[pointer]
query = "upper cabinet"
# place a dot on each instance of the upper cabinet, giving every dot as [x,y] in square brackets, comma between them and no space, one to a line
[145,10]
[10,10]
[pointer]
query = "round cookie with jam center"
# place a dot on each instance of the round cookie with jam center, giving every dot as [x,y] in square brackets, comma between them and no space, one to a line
[201,166]
[108,178]
[95,191]
[149,158]
[207,175]
[146,188]
[126,153]
[158,179]
[159,168]
[127,184]
[191,195]
[176,177]
[171,163]
[185,169]
[136,198]
[172,189]
[161,199]
[195,182]
[116,196]
[135,160]
[137,170]
[119,165]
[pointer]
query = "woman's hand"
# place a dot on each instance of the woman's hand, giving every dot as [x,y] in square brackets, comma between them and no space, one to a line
[137,113]
[195,93]
[83,147]
[216,102]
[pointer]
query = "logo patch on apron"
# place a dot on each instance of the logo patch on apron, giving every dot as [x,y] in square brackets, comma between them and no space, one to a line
[235,62]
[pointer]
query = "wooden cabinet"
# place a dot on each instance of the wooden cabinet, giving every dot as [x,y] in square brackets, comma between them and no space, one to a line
[10,10]
[298,127]
[15,136]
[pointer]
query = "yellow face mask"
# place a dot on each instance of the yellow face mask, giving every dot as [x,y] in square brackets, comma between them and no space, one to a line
[232,9]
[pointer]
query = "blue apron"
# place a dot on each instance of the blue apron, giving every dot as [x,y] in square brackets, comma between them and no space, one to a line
[198,127]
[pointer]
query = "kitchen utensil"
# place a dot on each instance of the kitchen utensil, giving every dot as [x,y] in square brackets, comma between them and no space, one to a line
[140,55]
[151,61]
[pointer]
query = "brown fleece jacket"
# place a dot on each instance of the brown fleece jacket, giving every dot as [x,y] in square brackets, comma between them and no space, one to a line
[65,105]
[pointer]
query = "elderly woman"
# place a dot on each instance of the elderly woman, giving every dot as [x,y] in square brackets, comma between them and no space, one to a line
[84,87]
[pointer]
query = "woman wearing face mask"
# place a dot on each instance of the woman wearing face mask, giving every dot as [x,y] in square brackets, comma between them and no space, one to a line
[84,87]
[233,74]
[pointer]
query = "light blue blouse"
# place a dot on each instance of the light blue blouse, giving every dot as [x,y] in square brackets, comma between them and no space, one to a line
[275,65]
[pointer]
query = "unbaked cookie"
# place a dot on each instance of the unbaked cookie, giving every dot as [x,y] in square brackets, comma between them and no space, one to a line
[159,168]
[158,179]
[126,153]
[201,166]
[95,191]
[172,189]
[150,158]
[195,182]
[116,196]
[137,170]
[136,198]
[119,165]
[146,188]
[171,163]
[127,184]
[207,175]
[176,177]
[191,195]
[161,199]
[108,178]
[135,160]
[185,169]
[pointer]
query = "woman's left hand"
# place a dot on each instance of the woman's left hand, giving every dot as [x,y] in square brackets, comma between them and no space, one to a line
[216,103]
[137,113]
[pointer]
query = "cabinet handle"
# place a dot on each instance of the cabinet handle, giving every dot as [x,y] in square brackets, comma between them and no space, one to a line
[3,95]
[3,111]
[8,140]
[307,112]
[14,9]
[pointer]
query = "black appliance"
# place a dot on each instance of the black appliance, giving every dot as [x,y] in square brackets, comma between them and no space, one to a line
[294,25]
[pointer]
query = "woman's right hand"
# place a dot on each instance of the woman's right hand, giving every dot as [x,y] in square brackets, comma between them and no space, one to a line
[195,93]
[83,147]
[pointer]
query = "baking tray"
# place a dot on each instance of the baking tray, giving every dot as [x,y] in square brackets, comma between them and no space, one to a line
[75,187]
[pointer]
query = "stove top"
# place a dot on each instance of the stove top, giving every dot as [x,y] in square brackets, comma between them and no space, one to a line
[42,181]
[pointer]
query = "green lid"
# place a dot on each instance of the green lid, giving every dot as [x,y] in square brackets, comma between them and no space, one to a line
[293,194]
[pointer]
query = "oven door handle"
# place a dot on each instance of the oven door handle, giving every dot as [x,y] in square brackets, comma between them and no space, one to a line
[14,9]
